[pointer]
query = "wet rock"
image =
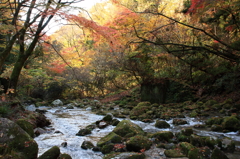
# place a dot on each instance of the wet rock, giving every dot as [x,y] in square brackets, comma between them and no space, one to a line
[70,107]
[162,124]
[110,138]
[64,156]
[57,102]
[39,131]
[196,140]
[41,121]
[14,140]
[64,144]
[138,143]
[108,118]
[163,136]
[127,129]
[199,126]
[214,120]
[52,153]
[87,145]
[58,132]
[218,154]
[231,123]
[211,142]
[31,107]
[41,111]
[186,147]
[166,146]
[119,147]
[187,131]
[115,122]
[91,126]
[217,128]
[174,153]
[83,132]
[101,124]
[228,145]
[126,155]
[107,148]
[26,126]
[179,122]
[203,153]
[139,111]
[96,149]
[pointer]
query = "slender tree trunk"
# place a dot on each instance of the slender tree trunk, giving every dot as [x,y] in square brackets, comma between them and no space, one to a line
[16,72]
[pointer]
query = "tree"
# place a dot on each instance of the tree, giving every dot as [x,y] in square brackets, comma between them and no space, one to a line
[36,16]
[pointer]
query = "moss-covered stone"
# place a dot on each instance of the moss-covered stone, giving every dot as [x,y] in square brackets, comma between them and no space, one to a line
[199,153]
[64,156]
[87,145]
[52,153]
[83,132]
[162,124]
[107,148]
[187,131]
[179,122]
[26,126]
[211,142]
[174,153]
[115,122]
[214,120]
[231,123]
[163,135]
[217,128]
[227,144]
[110,138]
[196,140]
[137,143]
[125,155]
[186,147]
[17,140]
[127,129]
[218,154]
[108,118]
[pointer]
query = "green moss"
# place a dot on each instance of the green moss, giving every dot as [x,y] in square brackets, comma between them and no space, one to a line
[137,143]
[26,126]
[52,153]
[126,127]
[231,123]
[186,147]
[162,124]
[174,153]
[107,148]
[163,135]
[110,138]
[64,156]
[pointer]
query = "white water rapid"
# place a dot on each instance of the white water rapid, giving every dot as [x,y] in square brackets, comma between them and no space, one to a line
[67,122]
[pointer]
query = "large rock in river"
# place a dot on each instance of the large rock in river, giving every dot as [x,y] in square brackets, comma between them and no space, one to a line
[14,141]
[128,129]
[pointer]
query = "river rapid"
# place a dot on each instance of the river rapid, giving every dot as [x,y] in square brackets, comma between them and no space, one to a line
[65,123]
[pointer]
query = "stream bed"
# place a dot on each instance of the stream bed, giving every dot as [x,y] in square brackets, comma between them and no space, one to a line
[65,123]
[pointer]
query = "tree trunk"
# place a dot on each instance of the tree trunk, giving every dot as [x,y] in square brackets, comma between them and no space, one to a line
[155,91]
[16,72]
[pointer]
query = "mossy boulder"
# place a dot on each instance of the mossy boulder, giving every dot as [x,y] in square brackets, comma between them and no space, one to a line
[187,131]
[26,126]
[199,153]
[179,122]
[139,111]
[64,156]
[108,118]
[162,124]
[217,128]
[211,142]
[107,148]
[196,140]
[83,132]
[125,155]
[174,153]
[228,145]
[110,138]
[138,143]
[186,147]
[231,123]
[128,129]
[218,154]
[214,120]
[17,140]
[163,136]
[87,145]
[52,153]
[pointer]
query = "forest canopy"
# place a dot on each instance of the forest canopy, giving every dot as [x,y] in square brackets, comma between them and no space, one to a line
[119,45]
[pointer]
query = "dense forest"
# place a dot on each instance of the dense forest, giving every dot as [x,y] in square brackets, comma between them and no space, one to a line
[164,74]
[173,50]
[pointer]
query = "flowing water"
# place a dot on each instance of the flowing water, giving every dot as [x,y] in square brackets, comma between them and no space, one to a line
[67,122]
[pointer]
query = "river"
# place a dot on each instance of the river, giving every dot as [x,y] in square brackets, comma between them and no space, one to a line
[65,123]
